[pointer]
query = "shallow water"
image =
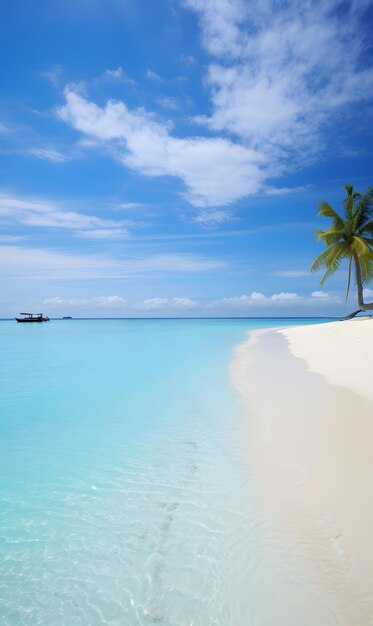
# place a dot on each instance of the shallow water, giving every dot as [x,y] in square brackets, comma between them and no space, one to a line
[125,493]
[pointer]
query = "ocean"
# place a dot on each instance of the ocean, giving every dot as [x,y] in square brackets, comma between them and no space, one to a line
[125,489]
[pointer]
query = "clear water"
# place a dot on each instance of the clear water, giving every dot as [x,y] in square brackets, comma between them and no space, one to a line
[125,494]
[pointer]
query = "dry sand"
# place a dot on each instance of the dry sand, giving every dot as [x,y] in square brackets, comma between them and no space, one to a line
[310,436]
[342,352]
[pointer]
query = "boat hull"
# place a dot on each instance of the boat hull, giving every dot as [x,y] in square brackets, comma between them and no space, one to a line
[29,321]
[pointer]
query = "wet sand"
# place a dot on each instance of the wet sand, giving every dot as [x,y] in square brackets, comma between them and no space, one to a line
[310,439]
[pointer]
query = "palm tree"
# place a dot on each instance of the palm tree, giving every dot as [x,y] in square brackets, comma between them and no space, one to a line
[349,237]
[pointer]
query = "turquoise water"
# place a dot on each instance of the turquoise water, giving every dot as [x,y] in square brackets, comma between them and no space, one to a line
[125,491]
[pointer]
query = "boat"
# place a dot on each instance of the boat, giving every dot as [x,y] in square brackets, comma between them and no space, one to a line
[67,317]
[32,317]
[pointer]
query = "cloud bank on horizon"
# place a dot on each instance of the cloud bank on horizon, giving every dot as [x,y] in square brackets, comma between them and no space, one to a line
[239,111]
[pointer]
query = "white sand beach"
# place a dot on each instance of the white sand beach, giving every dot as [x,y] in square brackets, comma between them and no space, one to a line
[309,391]
[342,352]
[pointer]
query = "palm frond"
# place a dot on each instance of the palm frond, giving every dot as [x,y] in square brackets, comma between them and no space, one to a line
[350,237]
[349,202]
[367,240]
[336,255]
[320,261]
[331,258]
[349,189]
[366,228]
[364,211]
[362,247]
[329,272]
[367,197]
[330,236]
[327,211]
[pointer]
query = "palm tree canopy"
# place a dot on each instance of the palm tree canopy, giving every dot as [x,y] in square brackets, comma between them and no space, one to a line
[350,236]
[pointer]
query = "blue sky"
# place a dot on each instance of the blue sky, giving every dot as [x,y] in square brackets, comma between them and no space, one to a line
[167,157]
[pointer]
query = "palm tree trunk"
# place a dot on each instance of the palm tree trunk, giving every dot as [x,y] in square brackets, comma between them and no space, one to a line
[349,317]
[359,283]
[349,278]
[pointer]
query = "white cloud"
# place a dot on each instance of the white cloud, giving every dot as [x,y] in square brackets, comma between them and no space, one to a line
[213,218]
[109,301]
[215,171]
[256,297]
[185,303]
[168,102]
[283,191]
[257,300]
[173,305]
[153,304]
[49,154]
[95,302]
[188,59]
[175,262]
[102,233]
[291,273]
[368,293]
[54,301]
[47,214]
[220,20]
[118,73]
[23,262]
[278,78]
[11,238]
[319,294]
[282,71]
[153,75]
[53,75]
[118,302]
[284,297]
[129,205]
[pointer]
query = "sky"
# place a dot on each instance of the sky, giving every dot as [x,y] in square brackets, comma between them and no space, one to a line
[167,157]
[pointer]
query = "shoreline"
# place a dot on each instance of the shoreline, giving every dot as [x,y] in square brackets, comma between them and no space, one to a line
[310,443]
